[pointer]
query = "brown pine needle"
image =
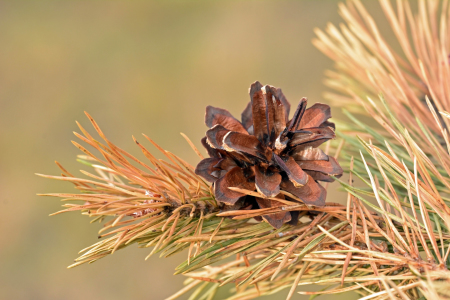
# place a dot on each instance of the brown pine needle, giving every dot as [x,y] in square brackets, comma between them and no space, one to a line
[192,145]
[297,279]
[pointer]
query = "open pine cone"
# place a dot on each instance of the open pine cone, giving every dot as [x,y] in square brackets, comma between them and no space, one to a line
[266,152]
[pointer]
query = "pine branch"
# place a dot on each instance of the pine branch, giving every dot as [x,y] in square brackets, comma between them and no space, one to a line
[392,238]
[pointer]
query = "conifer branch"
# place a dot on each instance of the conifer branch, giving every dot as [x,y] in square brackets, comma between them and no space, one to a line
[390,240]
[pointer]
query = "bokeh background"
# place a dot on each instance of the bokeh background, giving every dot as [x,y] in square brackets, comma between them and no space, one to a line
[137,67]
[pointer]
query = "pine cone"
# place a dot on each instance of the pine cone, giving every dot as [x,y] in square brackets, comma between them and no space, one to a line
[266,152]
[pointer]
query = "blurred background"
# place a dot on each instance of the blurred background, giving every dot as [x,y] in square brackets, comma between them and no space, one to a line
[137,67]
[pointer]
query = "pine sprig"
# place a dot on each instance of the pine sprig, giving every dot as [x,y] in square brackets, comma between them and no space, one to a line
[391,240]
[360,246]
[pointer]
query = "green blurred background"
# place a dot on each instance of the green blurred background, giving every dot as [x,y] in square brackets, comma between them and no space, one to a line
[136,67]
